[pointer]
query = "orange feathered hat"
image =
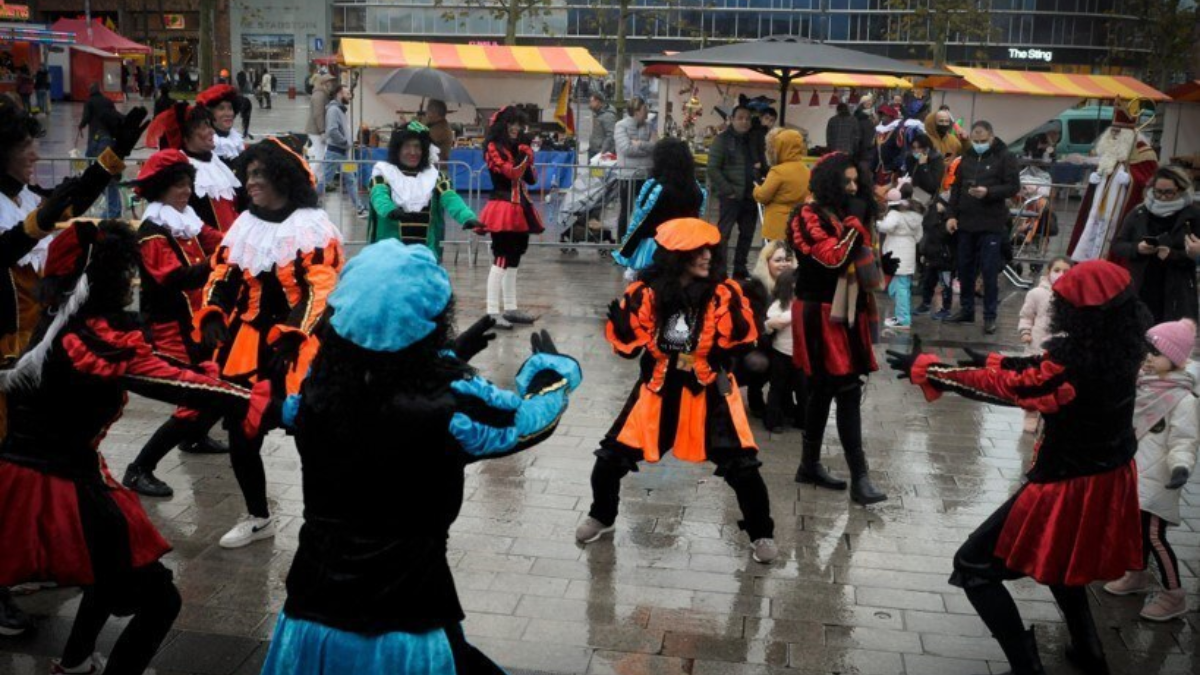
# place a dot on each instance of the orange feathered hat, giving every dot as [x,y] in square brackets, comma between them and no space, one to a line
[687,234]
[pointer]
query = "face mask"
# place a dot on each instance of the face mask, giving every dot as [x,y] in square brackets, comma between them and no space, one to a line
[943,129]
[1054,277]
[918,155]
[981,148]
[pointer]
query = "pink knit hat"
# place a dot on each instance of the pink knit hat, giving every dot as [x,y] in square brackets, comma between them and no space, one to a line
[894,196]
[1174,340]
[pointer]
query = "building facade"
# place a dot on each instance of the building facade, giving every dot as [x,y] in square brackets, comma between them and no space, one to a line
[280,36]
[1061,35]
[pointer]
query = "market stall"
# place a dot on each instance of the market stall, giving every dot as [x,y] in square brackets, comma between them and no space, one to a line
[96,56]
[25,44]
[1181,123]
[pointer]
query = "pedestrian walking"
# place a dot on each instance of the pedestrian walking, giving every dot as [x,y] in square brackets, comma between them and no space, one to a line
[41,87]
[339,147]
[1035,318]
[634,138]
[314,126]
[901,228]
[1166,424]
[266,87]
[730,171]
[103,123]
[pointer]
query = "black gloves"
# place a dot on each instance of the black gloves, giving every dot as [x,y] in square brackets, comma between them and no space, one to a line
[54,207]
[396,214]
[544,379]
[287,350]
[975,359]
[542,344]
[903,362]
[474,224]
[475,339]
[1179,478]
[620,322]
[889,264]
[129,131]
[213,333]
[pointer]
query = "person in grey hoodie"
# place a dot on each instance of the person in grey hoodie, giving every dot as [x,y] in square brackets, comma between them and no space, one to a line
[339,141]
[604,121]
[635,138]
[315,125]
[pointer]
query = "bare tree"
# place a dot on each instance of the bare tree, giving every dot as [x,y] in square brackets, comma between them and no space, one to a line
[1160,42]
[936,23]
[512,11]
[208,15]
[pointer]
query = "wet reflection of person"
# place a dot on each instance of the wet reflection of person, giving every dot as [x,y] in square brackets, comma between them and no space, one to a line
[1076,519]
[686,321]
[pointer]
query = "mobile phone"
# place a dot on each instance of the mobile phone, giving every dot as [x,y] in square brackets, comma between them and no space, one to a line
[1153,241]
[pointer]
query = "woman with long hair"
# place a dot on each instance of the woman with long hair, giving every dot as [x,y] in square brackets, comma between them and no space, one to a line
[269,285]
[686,321]
[1076,519]
[510,215]
[753,369]
[672,191]
[832,317]
[386,422]
[63,517]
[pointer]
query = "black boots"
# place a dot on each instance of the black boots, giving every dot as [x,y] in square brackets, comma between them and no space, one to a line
[861,489]
[1022,654]
[1085,651]
[207,445]
[812,472]
[144,482]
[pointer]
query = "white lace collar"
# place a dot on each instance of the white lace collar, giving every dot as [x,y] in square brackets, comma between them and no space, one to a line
[257,245]
[181,224]
[13,214]
[411,193]
[230,145]
[215,179]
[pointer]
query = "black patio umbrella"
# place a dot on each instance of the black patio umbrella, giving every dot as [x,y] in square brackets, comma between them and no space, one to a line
[426,83]
[789,58]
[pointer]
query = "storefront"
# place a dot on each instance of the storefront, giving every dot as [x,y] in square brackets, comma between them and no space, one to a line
[25,45]
[279,36]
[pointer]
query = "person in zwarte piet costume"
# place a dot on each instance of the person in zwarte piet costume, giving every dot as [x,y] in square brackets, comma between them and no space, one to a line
[386,422]
[217,195]
[223,101]
[410,198]
[1076,519]
[63,517]
[270,281]
[672,191]
[686,321]
[510,215]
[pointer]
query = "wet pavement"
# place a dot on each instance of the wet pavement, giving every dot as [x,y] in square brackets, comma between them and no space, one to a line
[674,591]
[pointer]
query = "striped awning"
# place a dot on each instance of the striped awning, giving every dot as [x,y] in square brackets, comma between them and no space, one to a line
[357,52]
[1031,83]
[1188,92]
[747,76]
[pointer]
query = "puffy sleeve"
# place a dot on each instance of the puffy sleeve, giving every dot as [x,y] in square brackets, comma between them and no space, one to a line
[735,317]
[1181,442]
[491,422]
[210,239]
[636,312]
[162,264]
[499,162]
[1034,383]
[811,238]
[451,202]
[309,280]
[220,292]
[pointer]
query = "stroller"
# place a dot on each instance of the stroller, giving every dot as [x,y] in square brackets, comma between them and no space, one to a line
[581,211]
[1033,225]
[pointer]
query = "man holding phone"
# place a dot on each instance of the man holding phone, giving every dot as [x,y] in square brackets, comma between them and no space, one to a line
[987,179]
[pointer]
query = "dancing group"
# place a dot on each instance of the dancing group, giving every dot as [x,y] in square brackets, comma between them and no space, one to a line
[252,315]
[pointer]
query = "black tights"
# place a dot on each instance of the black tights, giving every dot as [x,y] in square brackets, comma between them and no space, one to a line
[1154,541]
[245,454]
[174,431]
[848,395]
[149,596]
[996,607]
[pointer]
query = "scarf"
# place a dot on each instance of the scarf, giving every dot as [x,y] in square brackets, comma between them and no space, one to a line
[1157,397]
[1163,208]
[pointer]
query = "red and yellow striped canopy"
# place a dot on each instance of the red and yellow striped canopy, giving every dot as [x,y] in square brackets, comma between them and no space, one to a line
[1188,92]
[747,76]
[1044,84]
[479,58]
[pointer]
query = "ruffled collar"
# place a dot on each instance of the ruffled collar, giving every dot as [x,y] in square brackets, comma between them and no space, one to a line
[411,192]
[257,245]
[181,224]
[229,145]
[214,179]
[13,212]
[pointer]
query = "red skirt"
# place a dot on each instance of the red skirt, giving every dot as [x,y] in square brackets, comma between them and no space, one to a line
[822,347]
[42,529]
[504,216]
[1075,531]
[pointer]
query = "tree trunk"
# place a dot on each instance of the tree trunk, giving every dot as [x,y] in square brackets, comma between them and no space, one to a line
[207,16]
[619,73]
[510,24]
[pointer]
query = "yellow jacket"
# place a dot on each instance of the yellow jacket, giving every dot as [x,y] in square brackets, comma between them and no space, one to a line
[786,185]
[949,145]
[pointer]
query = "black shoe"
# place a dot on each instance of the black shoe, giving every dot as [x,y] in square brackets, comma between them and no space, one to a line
[961,317]
[863,492]
[145,482]
[205,446]
[818,476]
[1022,655]
[13,621]
[920,309]
[989,326]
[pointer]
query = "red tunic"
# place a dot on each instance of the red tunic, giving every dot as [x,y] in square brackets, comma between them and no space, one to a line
[510,208]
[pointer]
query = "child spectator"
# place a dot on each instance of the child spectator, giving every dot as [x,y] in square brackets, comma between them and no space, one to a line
[1034,324]
[786,397]
[1164,421]
[902,225]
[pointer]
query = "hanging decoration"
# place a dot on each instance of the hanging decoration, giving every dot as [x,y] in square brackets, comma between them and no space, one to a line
[815,101]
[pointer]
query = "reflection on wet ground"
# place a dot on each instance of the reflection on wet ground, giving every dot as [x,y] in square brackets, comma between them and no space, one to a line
[674,591]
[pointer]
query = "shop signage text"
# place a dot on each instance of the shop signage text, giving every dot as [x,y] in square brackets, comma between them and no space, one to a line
[1031,54]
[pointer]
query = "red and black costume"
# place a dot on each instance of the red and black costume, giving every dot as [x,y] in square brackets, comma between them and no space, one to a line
[230,143]
[217,194]
[1076,519]
[63,517]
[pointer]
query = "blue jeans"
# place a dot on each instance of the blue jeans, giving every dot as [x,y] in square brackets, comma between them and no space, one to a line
[979,251]
[333,166]
[112,194]
[901,291]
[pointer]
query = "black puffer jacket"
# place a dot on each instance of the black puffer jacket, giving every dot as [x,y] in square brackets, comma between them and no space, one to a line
[1175,296]
[995,170]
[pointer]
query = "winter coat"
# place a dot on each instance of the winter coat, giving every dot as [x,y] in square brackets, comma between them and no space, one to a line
[903,230]
[995,170]
[841,134]
[786,185]
[937,245]
[337,127]
[1035,316]
[949,145]
[603,127]
[866,137]
[731,165]
[316,107]
[634,162]
[928,176]
[1177,272]
[1170,444]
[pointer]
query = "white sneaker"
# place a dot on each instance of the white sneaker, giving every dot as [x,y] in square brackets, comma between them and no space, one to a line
[248,531]
[93,665]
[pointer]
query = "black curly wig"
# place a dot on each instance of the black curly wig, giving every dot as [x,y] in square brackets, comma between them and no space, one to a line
[287,172]
[1105,343]
[673,163]
[399,137]
[16,127]
[498,132]
[110,269]
[153,188]
[827,182]
[664,278]
[196,118]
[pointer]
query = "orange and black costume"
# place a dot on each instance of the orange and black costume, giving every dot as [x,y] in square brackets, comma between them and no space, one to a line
[687,400]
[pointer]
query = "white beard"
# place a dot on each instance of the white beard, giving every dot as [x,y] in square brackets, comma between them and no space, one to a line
[1113,151]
